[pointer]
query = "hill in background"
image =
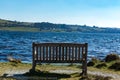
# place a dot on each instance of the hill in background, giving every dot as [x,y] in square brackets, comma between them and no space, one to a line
[46,26]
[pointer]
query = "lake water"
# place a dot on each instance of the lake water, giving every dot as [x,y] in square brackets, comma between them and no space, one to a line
[19,44]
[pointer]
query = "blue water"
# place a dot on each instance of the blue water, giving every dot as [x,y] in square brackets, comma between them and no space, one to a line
[19,44]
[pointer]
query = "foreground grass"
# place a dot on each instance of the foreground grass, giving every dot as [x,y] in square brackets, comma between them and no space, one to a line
[104,69]
[4,67]
[43,71]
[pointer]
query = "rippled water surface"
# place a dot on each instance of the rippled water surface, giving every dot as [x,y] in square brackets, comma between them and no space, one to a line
[19,44]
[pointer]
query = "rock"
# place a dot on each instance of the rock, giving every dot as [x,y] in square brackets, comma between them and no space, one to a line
[10,59]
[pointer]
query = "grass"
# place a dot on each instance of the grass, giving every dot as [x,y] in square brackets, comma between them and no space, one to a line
[104,69]
[47,74]
[111,61]
[28,29]
[12,66]
[43,71]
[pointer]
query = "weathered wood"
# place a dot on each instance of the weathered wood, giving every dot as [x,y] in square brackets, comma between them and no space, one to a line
[43,53]
[36,52]
[33,60]
[60,53]
[79,53]
[50,53]
[40,52]
[69,52]
[66,52]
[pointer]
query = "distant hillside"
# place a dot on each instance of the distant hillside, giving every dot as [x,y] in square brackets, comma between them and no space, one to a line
[45,26]
[8,23]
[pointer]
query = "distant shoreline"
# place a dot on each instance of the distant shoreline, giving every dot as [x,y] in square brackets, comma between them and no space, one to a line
[52,27]
[27,29]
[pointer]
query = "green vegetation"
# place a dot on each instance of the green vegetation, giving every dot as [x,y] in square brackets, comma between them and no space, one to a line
[111,62]
[111,57]
[44,70]
[101,65]
[115,66]
[50,27]
[19,29]
[74,76]
[47,74]
[91,63]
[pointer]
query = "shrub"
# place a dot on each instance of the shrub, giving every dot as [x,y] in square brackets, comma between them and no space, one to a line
[91,63]
[115,66]
[103,64]
[95,60]
[111,57]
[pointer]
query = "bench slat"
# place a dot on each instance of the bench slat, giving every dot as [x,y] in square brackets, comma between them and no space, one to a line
[47,53]
[57,53]
[59,61]
[66,52]
[58,44]
[62,53]
[69,53]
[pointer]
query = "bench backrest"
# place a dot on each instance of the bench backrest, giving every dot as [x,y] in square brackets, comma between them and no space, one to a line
[59,52]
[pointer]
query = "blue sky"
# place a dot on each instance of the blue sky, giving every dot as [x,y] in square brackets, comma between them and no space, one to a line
[102,13]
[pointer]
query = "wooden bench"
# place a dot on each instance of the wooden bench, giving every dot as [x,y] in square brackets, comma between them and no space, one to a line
[60,53]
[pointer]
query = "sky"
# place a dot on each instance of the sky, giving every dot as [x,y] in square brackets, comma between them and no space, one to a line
[101,13]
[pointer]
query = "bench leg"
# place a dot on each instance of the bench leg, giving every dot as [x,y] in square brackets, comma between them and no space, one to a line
[84,70]
[84,73]
[33,67]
